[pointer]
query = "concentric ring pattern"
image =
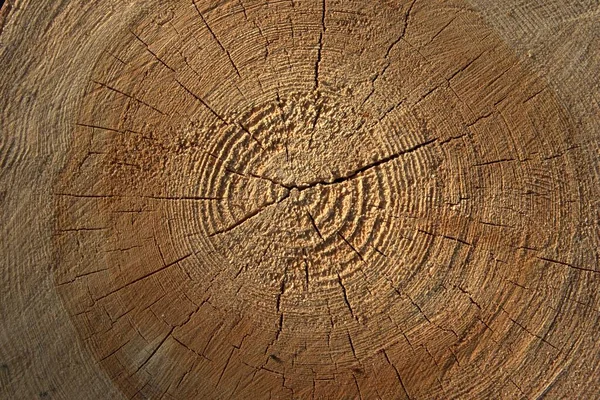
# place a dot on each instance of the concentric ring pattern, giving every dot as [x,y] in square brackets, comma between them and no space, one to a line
[320,199]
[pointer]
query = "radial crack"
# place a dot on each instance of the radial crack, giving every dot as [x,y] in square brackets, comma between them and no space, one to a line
[397,374]
[249,216]
[569,265]
[364,169]
[153,53]
[318,61]
[345,293]
[386,57]
[154,351]
[237,71]
[314,224]
[145,276]
[352,247]
[320,49]
[106,86]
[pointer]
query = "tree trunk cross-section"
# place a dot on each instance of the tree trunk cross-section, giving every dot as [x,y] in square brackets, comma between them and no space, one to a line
[321,199]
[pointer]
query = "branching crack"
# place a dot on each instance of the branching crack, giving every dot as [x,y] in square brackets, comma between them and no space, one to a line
[106,86]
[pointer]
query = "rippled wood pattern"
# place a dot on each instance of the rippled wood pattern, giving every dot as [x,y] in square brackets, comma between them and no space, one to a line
[300,199]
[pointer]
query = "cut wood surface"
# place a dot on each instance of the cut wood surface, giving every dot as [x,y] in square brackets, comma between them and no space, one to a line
[296,199]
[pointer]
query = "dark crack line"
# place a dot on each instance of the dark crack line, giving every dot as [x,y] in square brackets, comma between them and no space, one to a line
[204,103]
[318,61]
[113,89]
[352,247]
[243,10]
[83,275]
[82,229]
[480,118]
[110,130]
[237,71]
[151,52]
[468,64]
[569,265]
[515,322]
[427,94]
[249,216]
[145,276]
[351,344]
[427,318]
[279,327]
[281,290]
[112,352]
[353,174]
[553,382]
[502,160]
[306,270]
[441,30]
[246,175]
[402,33]
[360,396]
[192,198]
[346,300]
[225,367]
[445,237]
[397,374]
[88,196]
[363,169]
[115,57]
[154,351]
[533,96]
[314,224]
[320,49]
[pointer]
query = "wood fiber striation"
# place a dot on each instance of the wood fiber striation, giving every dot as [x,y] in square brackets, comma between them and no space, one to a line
[325,199]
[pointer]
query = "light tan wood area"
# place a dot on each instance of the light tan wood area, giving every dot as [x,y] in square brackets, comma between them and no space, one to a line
[294,199]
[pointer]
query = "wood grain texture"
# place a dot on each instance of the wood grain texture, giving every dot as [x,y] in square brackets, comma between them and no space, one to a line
[300,199]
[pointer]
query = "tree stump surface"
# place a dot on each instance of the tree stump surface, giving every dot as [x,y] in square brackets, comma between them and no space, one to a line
[300,199]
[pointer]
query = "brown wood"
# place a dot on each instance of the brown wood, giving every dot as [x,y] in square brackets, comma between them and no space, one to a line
[259,199]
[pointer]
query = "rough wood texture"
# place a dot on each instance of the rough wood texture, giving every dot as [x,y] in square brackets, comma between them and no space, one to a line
[300,199]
